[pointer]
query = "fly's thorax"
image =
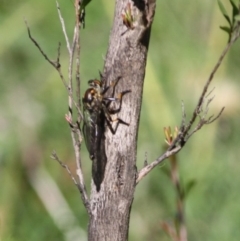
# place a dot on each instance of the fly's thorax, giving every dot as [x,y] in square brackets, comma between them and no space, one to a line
[96,84]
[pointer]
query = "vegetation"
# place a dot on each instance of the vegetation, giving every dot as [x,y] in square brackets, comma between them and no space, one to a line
[185,44]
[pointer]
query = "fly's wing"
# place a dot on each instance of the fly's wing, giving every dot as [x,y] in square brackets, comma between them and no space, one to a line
[98,147]
[93,129]
[88,120]
[88,132]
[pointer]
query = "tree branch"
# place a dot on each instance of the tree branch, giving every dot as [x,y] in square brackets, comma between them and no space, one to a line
[63,28]
[75,126]
[81,186]
[184,135]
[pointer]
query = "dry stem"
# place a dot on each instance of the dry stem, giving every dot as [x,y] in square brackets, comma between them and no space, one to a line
[184,133]
[75,127]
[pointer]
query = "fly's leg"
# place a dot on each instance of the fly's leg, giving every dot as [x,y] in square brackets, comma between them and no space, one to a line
[110,111]
[116,99]
[118,120]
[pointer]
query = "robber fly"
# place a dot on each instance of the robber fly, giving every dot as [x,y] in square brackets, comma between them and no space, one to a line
[96,109]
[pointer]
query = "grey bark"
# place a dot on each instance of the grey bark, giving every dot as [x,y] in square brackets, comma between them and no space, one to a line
[126,58]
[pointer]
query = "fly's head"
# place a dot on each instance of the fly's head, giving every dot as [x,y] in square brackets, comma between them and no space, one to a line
[92,100]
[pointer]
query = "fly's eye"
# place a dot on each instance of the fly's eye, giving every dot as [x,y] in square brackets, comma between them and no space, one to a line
[92,92]
[88,96]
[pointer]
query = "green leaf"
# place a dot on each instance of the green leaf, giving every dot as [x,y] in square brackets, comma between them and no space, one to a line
[84,3]
[224,12]
[222,8]
[235,3]
[235,10]
[189,186]
[226,29]
[237,18]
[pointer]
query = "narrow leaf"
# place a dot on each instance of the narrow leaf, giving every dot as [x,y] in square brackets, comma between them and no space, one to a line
[237,17]
[235,10]
[234,3]
[226,29]
[224,12]
[189,186]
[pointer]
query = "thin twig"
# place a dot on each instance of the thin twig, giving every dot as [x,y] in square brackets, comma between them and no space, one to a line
[75,128]
[145,170]
[70,69]
[54,156]
[184,135]
[169,230]
[56,64]
[75,132]
[183,115]
[81,186]
[76,139]
[180,225]
[77,70]
[145,161]
[63,28]
[210,120]
[206,86]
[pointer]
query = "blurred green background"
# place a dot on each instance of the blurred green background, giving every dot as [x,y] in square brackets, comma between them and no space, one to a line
[38,200]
